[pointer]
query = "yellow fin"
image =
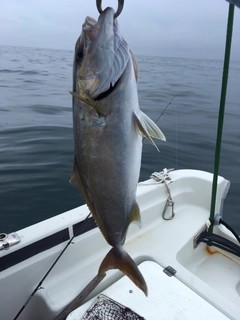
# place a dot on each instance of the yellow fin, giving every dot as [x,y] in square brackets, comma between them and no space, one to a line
[75,179]
[79,97]
[117,258]
[100,108]
[82,187]
[135,217]
[77,182]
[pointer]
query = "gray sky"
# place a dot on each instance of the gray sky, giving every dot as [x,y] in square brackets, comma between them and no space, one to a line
[176,28]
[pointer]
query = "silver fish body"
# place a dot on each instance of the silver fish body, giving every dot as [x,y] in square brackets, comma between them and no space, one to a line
[108,127]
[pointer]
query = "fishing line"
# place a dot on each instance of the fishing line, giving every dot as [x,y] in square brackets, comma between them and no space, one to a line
[81,228]
[176,138]
[166,108]
[170,102]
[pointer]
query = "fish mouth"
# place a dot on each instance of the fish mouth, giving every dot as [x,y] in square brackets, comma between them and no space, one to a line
[105,58]
[106,93]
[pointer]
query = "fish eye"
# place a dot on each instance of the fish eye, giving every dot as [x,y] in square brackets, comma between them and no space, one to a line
[79,55]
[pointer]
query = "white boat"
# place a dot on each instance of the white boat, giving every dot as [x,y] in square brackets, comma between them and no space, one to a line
[49,270]
[201,281]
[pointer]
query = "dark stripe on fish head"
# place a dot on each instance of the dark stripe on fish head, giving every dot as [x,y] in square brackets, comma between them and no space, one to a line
[106,55]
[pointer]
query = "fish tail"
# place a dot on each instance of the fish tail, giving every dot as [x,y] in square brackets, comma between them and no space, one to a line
[118,258]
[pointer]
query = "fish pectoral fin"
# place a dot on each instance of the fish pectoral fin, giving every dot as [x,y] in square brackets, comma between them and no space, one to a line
[101,109]
[148,128]
[135,216]
[79,97]
[117,258]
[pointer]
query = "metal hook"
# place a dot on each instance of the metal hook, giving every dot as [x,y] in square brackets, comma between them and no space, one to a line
[169,203]
[119,10]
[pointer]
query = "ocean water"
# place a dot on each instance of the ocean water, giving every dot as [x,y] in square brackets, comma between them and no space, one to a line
[36,139]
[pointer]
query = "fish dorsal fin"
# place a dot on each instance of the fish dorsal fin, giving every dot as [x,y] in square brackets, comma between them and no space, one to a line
[148,128]
[75,179]
[77,182]
[135,216]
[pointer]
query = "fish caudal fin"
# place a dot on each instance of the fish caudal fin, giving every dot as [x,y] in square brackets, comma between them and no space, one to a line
[117,258]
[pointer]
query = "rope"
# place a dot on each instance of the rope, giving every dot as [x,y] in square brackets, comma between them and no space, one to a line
[162,177]
[221,112]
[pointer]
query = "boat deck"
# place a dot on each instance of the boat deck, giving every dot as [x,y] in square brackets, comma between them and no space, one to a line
[205,279]
[210,273]
[168,299]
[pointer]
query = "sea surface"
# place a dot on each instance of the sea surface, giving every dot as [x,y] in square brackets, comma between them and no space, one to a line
[36,138]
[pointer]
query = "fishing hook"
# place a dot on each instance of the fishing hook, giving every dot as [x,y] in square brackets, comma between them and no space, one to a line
[119,10]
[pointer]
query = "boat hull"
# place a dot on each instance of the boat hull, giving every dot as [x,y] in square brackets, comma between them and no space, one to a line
[164,242]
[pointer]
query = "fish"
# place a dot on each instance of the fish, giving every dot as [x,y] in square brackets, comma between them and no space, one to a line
[108,127]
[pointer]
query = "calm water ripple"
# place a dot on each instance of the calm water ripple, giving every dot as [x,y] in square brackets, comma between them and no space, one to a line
[36,142]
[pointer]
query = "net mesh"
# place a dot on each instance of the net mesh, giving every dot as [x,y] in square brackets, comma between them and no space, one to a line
[105,308]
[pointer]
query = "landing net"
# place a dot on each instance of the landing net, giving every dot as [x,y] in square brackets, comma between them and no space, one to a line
[105,308]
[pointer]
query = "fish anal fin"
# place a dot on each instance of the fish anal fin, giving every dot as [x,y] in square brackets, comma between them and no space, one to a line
[118,258]
[135,217]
